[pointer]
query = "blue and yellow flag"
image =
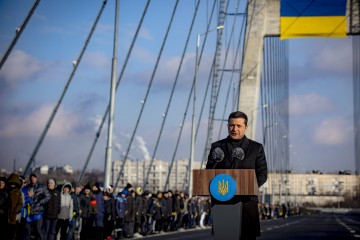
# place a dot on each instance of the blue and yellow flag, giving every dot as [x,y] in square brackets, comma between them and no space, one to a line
[312,18]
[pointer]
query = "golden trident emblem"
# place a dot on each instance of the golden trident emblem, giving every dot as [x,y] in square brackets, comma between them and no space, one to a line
[223,187]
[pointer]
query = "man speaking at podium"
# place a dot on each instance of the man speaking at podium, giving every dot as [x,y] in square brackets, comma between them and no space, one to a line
[238,152]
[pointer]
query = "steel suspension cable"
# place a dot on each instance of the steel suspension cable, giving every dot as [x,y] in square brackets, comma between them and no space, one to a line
[193,84]
[147,94]
[53,114]
[97,135]
[18,33]
[172,91]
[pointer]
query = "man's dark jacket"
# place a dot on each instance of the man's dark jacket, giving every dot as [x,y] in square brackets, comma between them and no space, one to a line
[254,157]
[52,207]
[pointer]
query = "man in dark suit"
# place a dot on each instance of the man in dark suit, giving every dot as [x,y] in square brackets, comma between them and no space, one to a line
[238,152]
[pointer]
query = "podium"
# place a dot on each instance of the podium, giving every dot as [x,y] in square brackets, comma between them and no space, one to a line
[227,215]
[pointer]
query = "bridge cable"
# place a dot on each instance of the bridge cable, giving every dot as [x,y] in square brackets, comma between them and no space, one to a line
[52,116]
[172,91]
[147,94]
[117,85]
[18,32]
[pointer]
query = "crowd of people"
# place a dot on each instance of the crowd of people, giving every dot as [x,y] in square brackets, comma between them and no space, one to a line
[34,210]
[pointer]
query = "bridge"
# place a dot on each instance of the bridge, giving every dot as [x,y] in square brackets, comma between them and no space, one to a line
[207,58]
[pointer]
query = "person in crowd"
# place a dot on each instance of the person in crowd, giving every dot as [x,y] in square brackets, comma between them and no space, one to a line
[110,190]
[139,212]
[15,204]
[75,195]
[193,212]
[97,212]
[208,218]
[181,212]
[156,212]
[4,202]
[130,215]
[129,187]
[172,205]
[236,151]
[146,220]
[176,211]
[120,208]
[166,211]
[109,214]
[40,199]
[52,209]
[204,212]
[66,210]
[25,226]
[186,212]
[86,216]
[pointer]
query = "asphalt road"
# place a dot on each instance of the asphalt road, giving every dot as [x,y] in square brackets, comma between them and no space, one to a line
[320,226]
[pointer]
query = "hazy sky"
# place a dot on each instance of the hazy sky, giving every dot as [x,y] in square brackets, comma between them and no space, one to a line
[31,81]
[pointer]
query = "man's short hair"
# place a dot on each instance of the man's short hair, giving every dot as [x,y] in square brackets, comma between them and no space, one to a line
[238,114]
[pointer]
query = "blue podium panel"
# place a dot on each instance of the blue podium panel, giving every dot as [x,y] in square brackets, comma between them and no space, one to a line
[223,187]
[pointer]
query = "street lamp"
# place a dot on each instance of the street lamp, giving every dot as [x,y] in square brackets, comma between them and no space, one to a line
[194,106]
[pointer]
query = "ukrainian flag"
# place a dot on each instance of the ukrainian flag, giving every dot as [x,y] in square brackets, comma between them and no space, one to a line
[312,18]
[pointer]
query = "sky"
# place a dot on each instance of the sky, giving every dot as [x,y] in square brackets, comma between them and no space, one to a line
[32,79]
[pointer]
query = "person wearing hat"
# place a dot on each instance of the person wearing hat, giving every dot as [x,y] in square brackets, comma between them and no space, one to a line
[166,208]
[147,225]
[52,209]
[75,195]
[40,199]
[97,211]
[15,204]
[109,213]
[120,207]
[86,221]
[129,187]
[66,210]
[157,212]
[130,215]
[140,212]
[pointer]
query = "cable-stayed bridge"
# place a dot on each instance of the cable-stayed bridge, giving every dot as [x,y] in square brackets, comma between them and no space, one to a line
[213,57]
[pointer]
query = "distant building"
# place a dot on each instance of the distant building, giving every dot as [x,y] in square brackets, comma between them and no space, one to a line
[135,173]
[310,188]
[46,170]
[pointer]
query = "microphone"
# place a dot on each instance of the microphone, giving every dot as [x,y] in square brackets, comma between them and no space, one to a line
[217,155]
[238,154]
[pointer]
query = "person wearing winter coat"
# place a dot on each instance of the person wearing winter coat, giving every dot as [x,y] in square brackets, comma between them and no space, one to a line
[25,226]
[140,211]
[130,215]
[66,211]
[109,214]
[75,195]
[166,208]
[86,218]
[4,202]
[52,209]
[156,211]
[97,212]
[120,208]
[40,199]
[15,204]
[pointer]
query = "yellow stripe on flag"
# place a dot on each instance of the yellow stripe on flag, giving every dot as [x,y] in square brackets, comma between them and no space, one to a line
[293,27]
